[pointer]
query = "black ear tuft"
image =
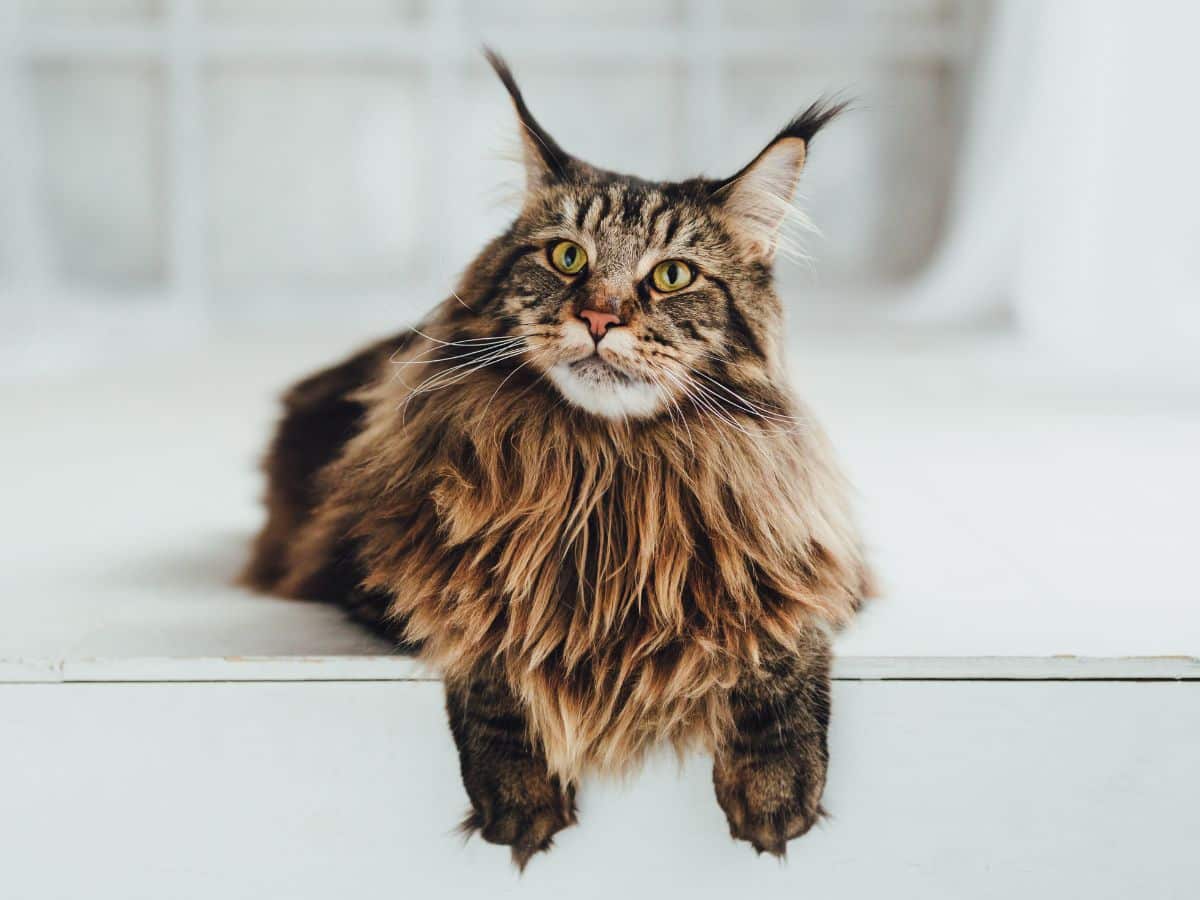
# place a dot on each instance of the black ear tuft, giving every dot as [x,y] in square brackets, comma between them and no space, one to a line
[538,143]
[817,116]
[803,127]
[758,197]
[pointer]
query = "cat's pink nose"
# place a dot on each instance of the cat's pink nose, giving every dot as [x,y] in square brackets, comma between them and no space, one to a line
[598,322]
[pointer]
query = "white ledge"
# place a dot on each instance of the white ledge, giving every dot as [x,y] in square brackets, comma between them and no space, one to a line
[398,668]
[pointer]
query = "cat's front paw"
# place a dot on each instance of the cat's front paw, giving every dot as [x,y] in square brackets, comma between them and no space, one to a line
[770,800]
[522,811]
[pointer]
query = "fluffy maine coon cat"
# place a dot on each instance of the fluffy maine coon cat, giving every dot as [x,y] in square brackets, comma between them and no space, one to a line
[583,491]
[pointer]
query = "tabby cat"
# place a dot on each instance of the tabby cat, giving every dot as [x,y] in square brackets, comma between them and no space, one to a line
[583,491]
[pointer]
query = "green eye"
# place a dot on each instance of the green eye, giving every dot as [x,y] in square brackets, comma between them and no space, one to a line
[671,275]
[568,257]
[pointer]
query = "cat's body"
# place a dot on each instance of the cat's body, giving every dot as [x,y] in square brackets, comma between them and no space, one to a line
[582,490]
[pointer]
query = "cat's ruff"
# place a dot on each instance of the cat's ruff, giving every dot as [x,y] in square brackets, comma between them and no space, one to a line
[624,573]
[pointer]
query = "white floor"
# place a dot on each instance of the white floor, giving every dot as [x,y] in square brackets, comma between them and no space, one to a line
[311,791]
[1013,510]
[168,735]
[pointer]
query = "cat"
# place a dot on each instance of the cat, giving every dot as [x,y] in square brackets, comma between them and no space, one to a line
[583,491]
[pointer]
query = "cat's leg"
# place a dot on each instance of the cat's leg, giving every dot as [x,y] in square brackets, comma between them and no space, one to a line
[514,798]
[320,415]
[770,771]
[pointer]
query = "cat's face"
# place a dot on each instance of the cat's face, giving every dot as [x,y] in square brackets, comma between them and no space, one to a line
[636,299]
[630,289]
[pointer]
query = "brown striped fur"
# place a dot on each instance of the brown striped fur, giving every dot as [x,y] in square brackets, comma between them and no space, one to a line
[615,581]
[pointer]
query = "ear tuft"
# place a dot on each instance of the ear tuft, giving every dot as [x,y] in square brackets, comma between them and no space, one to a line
[806,125]
[545,161]
[759,197]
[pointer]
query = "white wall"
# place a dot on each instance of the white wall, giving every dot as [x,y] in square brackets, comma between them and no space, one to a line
[286,158]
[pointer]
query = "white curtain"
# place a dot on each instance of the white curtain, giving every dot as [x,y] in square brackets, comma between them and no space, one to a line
[1079,195]
[1110,256]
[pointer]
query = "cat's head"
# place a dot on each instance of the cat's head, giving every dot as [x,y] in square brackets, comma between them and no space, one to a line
[637,298]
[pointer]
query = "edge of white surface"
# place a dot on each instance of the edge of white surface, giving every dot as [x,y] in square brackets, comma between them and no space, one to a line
[396,668]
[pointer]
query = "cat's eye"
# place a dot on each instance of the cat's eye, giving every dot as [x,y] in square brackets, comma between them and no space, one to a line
[568,257]
[671,275]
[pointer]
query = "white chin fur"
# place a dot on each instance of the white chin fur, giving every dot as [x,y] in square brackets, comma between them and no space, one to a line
[604,394]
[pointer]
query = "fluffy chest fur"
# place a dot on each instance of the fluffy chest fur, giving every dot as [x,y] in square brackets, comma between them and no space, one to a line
[623,576]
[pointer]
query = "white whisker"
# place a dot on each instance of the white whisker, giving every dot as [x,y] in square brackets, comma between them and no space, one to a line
[455,374]
[418,361]
[748,405]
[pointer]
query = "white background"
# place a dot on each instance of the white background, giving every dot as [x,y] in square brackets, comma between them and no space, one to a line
[192,163]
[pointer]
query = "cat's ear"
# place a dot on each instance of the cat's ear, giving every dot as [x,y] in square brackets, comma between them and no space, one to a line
[546,163]
[758,199]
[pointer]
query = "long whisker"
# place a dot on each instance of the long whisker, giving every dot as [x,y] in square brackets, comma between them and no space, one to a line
[718,400]
[767,428]
[418,361]
[457,373]
[731,397]
[515,370]
[747,404]
[703,403]
[674,410]
[474,354]
[459,343]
